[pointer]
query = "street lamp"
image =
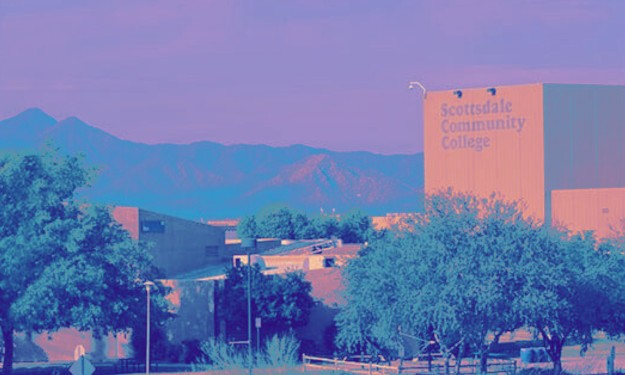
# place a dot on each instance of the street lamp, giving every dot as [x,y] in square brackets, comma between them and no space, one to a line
[148,285]
[412,85]
[248,244]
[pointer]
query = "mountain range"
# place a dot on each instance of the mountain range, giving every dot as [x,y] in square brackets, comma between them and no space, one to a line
[212,181]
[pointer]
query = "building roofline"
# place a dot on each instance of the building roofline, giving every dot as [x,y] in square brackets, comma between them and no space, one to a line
[527,84]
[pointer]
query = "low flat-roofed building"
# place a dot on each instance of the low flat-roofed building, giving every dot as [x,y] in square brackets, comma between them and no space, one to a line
[179,245]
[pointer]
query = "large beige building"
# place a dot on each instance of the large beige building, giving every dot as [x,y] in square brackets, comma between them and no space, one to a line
[557,147]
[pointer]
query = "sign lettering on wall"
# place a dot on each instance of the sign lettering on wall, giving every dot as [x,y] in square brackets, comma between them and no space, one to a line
[469,125]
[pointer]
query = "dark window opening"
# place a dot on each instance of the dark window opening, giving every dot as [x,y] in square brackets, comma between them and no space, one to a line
[153,226]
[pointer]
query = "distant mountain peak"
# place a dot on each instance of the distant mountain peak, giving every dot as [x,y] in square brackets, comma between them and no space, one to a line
[77,128]
[73,120]
[32,116]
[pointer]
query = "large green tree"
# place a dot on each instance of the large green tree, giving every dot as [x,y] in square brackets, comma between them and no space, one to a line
[573,286]
[63,263]
[472,268]
[449,277]
[283,302]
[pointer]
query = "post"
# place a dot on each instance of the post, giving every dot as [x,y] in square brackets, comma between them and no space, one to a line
[248,244]
[611,361]
[249,309]
[148,285]
[257,323]
[147,337]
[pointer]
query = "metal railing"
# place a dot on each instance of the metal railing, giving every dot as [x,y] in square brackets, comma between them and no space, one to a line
[319,363]
[503,367]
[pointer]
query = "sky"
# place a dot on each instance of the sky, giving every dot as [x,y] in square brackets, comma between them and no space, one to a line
[324,73]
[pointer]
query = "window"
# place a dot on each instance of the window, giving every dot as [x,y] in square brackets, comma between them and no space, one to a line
[328,262]
[152,226]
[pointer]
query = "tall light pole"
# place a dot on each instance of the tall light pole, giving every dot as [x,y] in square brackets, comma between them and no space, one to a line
[148,286]
[249,243]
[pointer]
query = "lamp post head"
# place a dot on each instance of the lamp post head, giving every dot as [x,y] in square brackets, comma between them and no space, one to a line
[148,284]
[412,85]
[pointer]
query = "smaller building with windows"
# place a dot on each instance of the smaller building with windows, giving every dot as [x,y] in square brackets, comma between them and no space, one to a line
[178,245]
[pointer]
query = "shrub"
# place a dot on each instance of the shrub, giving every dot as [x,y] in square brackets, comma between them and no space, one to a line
[281,352]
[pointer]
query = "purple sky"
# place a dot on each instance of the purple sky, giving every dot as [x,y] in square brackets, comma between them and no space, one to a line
[330,73]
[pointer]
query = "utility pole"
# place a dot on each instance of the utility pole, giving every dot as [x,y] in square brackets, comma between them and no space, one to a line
[249,244]
[148,286]
[249,310]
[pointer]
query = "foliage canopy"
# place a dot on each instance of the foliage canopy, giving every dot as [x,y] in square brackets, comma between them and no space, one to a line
[283,302]
[285,223]
[62,262]
[470,267]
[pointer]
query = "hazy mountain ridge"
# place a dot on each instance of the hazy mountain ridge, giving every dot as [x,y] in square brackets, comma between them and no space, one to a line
[210,180]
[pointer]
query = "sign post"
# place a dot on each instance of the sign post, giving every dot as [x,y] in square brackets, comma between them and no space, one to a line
[82,366]
[258,324]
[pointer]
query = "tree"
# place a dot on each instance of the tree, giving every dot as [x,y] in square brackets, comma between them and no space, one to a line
[355,227]
[283,302]
[248,227]
[449,278]
[573,286]
[285,223]
[276,222]
[62,263]
[303,227]
[326,226]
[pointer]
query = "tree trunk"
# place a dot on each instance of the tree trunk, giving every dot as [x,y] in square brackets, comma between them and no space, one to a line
[554,345]
[459,358]
[447,355]
[486,351]
[484,361]
[7,335]
[557,366]
[555,352]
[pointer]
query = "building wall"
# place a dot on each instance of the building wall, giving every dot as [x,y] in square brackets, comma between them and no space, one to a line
[599,210]
[59,346]
[194,303]
[128,217]
[180,245]
[584,136]
[483,143]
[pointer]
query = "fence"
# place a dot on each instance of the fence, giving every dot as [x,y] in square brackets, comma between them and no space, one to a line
[318,363]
